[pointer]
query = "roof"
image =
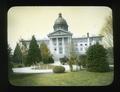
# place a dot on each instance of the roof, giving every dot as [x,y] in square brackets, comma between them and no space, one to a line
[60,20]
[89,37]
[59,33]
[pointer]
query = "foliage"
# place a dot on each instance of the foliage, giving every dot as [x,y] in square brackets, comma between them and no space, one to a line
[24,51]
[9,60]
[51,60]
[72,56]
[70,62]
[34,54]
[45,53]
[107,32]
[97,58]
[83,60]
[17,56]
[63,60]
[17,65]
[110,55]
[58,69]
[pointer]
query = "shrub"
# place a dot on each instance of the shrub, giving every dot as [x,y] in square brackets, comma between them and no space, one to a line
[58,69]
[97,59]
[63,60]
[51,60]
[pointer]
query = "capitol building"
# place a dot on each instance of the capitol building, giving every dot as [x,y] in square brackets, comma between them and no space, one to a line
[60,40]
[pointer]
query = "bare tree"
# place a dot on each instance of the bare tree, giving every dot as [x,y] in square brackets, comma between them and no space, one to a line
[107,32]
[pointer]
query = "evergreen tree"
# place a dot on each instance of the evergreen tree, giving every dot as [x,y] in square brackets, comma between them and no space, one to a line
[9,60]
[17,57]
[34,54]
[45,53]
[97,58]
[9,53]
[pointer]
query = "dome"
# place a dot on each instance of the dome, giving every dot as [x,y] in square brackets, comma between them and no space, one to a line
[60,22]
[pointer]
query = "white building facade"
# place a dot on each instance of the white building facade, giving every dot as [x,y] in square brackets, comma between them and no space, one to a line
[60,40]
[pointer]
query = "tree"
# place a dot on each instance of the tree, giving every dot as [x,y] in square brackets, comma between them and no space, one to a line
[9,53]
[107,32]
[110,55]
[45,54]
[72,56]
[97,59]
[24,51]
[34,54]
[83,60]
[9,60]
[17,57]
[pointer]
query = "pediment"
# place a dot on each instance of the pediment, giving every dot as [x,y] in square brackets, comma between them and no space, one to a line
[59,32]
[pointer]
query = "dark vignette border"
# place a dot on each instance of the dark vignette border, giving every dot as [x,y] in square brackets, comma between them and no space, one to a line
[6,5]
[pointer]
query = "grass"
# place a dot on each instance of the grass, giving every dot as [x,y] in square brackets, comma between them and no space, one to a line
[80,78]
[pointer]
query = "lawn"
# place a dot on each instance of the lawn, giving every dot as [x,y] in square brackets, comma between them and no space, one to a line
[80,78]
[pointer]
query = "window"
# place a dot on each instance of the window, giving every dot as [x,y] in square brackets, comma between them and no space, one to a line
[54,39]
[81,44]
[60,43]
[54,43]
[55,49]
[81,49]
[75,44]
[59,39]
[60,50]
[90,44]
[85,44]
[76,49]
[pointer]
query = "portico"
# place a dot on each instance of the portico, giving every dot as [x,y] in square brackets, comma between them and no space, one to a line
[60,39]
[59,45]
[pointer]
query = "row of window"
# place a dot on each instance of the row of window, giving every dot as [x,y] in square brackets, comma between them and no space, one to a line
[60,43]
[61,50]
[83,44]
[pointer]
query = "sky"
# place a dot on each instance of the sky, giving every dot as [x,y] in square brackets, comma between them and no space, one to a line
[25,21]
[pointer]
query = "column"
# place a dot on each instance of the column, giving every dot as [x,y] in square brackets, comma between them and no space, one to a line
[69,45]
[70,39]
[51,45]
[57,46]
[63,45]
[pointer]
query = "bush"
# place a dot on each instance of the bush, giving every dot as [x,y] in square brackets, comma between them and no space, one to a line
[51,60]
[97,59]
[58,69]
[63,60]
